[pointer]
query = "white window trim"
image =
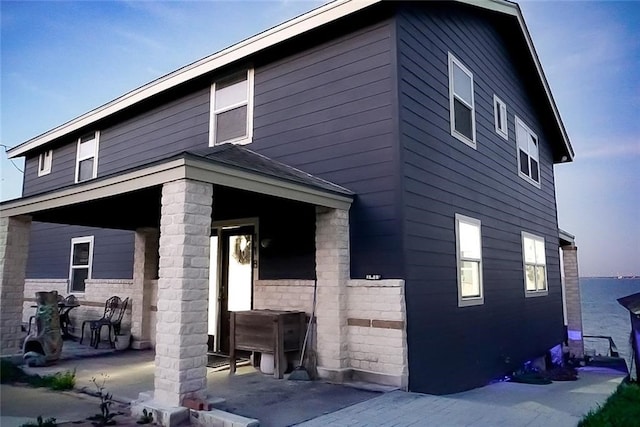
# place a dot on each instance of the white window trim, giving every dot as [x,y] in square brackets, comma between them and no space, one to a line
[468,301]
[41,162]
[536,293]
[527,178]
[249,103]
[74,241]
[95,158]
[470,142]
[500,109]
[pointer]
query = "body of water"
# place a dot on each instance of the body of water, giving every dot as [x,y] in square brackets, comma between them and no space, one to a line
[602,315]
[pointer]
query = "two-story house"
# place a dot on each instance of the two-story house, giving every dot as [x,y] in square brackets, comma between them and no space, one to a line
[394,157]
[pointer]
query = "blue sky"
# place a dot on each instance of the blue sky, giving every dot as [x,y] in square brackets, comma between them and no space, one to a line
[62,59]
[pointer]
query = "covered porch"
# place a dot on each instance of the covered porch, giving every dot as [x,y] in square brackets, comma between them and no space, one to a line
[177,207]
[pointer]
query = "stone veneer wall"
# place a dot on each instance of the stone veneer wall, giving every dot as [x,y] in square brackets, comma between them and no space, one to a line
[376,319]
[97,291]
[289,295]
[573,303]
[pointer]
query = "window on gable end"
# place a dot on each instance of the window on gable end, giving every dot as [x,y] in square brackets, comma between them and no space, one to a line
[469,261]
[461,102]
[528,163]
[87,156]
[44,162]
[500,114]
[231,118]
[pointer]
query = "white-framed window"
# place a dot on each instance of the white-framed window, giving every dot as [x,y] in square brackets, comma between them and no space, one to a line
[535,265]
[44,162]
[231,118]
[527,144]
[81,263]
[469,261]
[461,105]
[87,156]
[500,114]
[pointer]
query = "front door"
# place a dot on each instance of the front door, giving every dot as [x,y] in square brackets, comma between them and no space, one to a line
[233,291]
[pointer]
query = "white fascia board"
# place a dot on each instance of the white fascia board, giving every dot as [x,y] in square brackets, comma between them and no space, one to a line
[511,8]
[303,23]
[287,30]
[86,191]
[171,171]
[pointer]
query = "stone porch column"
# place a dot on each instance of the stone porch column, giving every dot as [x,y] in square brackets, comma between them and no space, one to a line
[333,273]
[145,269]
[14,249]
[572,298]
[183,287]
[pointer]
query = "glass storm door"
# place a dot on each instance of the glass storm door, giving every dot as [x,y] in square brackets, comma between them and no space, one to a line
[234,292]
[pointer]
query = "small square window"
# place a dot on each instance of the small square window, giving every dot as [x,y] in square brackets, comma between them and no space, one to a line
[231,117]
[461,103]
[527,146]
[87,157]
[535,265]
[500,113]
[44,162]
[469,260]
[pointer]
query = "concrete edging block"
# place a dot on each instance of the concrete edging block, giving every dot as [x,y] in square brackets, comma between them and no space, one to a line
[218,418]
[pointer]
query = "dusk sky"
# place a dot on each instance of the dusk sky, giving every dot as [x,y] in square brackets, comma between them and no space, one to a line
[62,59]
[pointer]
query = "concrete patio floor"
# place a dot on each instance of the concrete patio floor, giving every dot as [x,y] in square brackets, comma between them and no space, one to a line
[282,402]
[248,393]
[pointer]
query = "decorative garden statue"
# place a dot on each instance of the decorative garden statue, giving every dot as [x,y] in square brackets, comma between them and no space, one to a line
[44,345]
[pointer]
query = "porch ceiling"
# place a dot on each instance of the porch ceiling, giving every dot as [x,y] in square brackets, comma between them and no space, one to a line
[131,198]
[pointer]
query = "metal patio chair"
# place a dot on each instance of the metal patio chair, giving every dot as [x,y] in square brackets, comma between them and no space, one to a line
[114,309]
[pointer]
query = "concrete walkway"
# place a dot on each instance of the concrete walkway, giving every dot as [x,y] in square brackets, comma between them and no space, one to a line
[560,404]
[281,402]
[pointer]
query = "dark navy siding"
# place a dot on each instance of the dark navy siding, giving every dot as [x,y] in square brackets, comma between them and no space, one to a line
[451,348]
[326,110]
[50,250]
[165,130]
[329,111]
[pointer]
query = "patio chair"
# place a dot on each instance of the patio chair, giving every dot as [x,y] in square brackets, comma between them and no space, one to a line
[32,318]
[114,309]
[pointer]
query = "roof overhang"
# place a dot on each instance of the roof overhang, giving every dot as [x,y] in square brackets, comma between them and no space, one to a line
[171,170]
[566,238]
[285,31]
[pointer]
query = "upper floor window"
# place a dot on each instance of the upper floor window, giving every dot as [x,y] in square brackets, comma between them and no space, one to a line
[232,109]
[461,104]
[469,260]
[87,157]
[535,265]
[81,263]
[528,164]
[44,162]
[500,113]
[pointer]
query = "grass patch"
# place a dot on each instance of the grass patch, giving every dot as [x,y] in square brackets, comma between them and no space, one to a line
[11,373]
[622,409]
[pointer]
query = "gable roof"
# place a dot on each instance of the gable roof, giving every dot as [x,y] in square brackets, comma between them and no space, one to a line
[285,31]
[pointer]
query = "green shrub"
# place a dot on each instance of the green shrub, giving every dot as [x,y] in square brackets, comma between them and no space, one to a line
[621,409]
[11,373]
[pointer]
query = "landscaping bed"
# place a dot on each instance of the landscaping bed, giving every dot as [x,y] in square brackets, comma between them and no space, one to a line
[622,409]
